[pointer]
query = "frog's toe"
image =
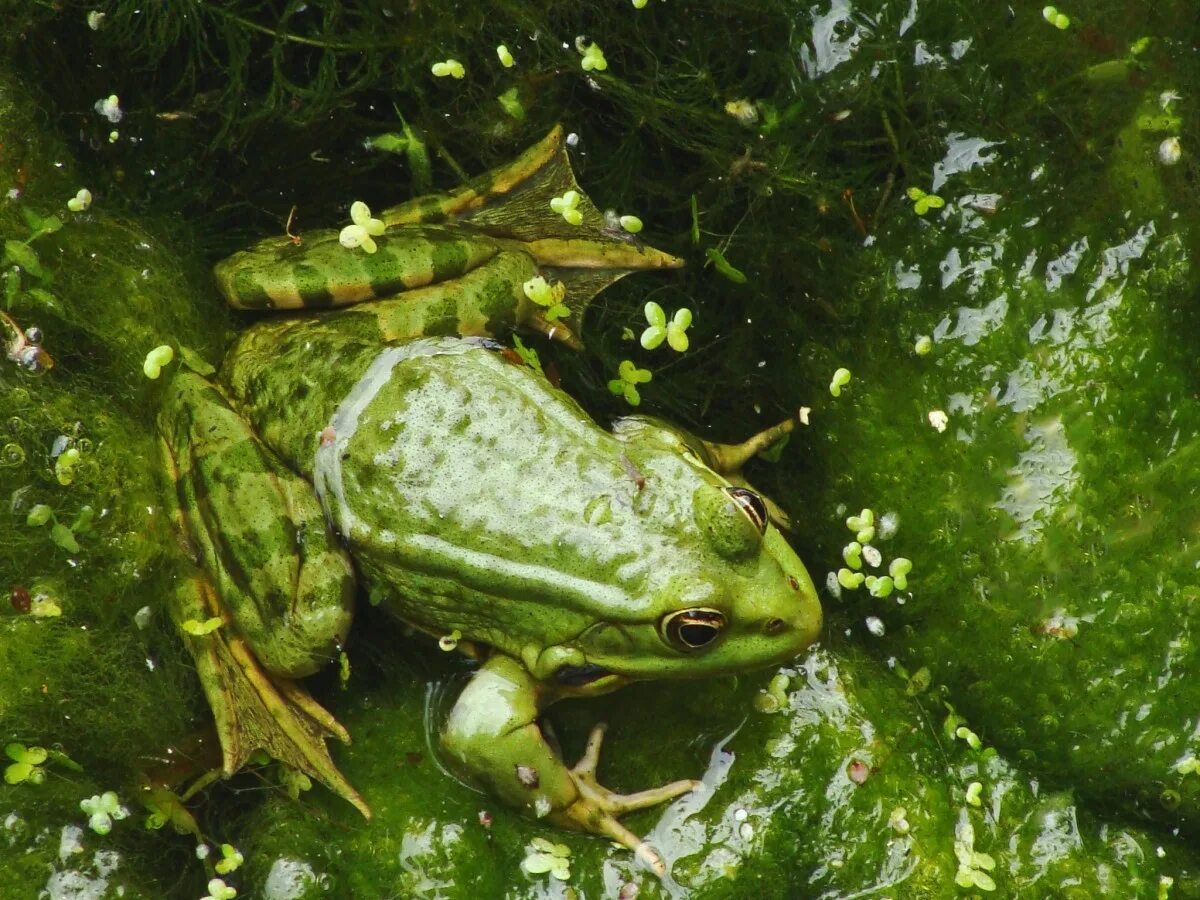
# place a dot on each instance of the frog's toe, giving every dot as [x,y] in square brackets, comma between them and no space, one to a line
[584,775]
[598,808]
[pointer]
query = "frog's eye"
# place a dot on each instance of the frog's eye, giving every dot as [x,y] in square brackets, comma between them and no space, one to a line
[692,629]
[751,504]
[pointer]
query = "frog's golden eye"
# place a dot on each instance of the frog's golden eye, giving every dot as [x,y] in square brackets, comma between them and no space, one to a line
[751,504]
[692,629]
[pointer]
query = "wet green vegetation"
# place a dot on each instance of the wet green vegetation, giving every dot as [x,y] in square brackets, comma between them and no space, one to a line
[1052,523]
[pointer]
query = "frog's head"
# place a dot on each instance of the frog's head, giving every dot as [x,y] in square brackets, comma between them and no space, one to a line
[721,590]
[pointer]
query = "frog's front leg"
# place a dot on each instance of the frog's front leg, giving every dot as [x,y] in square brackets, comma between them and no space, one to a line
[492,733]
[269,575]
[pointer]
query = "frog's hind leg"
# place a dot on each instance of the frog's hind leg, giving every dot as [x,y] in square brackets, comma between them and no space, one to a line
[268,594]
[511,204]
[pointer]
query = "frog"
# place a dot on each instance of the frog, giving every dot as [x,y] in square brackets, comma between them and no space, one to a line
[368,434]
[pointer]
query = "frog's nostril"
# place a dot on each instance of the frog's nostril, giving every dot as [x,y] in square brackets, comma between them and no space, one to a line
[794,582]
[774,626]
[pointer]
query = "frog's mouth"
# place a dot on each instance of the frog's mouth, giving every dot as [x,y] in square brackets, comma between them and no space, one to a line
[577,676]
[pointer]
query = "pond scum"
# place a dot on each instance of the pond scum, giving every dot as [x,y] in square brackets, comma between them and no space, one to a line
[984,214]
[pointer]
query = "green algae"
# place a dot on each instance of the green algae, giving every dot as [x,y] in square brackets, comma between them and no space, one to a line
[850,786]
[91,682]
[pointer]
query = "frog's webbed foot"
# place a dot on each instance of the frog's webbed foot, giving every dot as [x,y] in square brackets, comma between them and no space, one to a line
[597,808]
[253,709]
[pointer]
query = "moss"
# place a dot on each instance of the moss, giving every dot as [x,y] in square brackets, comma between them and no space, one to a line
[90,682]
[851,784]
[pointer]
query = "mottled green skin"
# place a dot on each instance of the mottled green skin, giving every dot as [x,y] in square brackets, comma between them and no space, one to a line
[475,496]
[466,492]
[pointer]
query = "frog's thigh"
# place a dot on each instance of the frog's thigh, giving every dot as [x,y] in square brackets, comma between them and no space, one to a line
[259,531]
[492,734]
[486,301]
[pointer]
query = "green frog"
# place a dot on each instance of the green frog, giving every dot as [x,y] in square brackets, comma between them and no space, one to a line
[395,446]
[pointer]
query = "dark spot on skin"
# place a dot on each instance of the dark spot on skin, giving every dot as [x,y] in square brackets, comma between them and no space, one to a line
[632,471]
[19,598]
[413,757]
[528,776]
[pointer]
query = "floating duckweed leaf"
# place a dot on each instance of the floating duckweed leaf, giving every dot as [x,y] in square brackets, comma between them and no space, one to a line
[219,890]
[881,587]
[974,789]
[593,58]
[39,515]
[923,202]
[81,201]
[26,764]
[103,809]
[566,206]
[231,859]
[632,224]
[852,554]
[451,68]
[720,263]
[656,333]
[626,385]
[899,569]
[156,359]
[850,580]
[363,230]
[841,378]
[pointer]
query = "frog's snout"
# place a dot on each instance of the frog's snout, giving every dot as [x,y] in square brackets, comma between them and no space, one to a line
[800,623]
